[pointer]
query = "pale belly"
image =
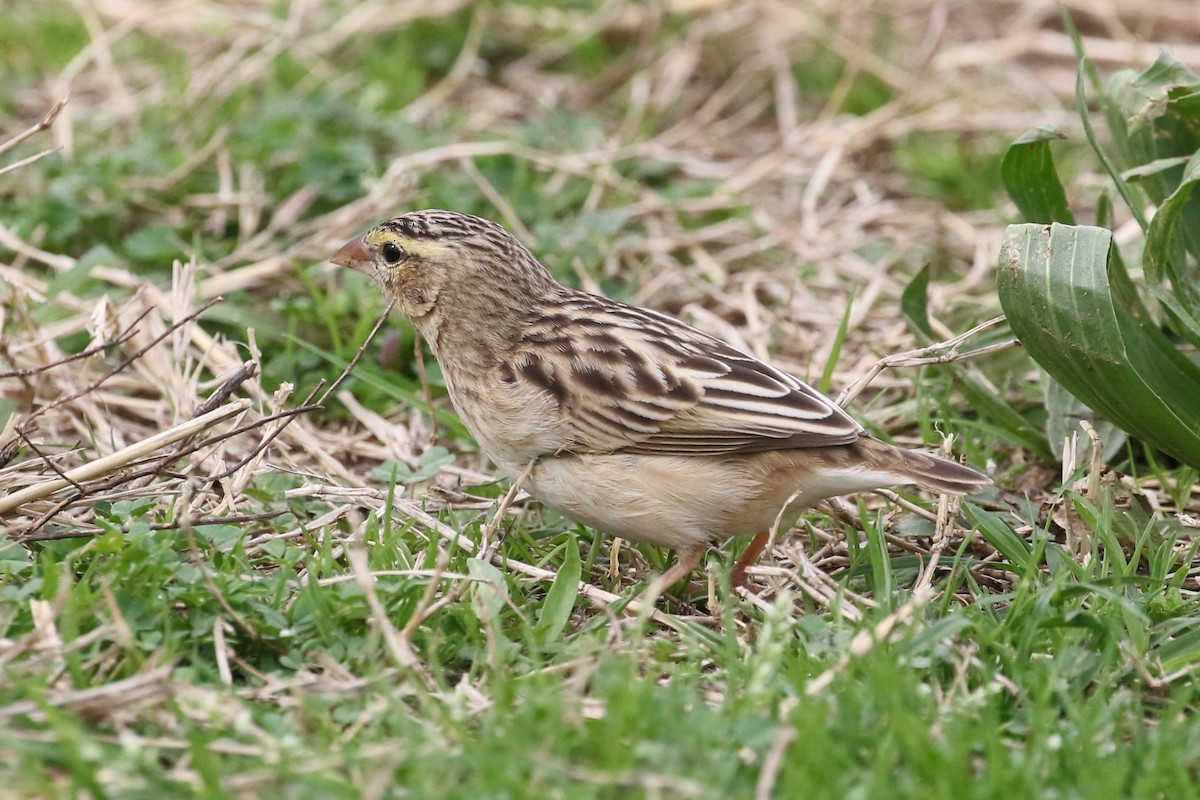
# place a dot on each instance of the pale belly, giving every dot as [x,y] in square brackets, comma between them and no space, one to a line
[663,500]
[677,501]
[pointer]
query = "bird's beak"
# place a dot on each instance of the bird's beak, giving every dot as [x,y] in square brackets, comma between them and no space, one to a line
[355,255]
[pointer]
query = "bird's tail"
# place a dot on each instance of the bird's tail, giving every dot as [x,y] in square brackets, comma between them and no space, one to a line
[923,469]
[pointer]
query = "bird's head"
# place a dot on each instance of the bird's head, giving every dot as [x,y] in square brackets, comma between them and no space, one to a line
[423,259]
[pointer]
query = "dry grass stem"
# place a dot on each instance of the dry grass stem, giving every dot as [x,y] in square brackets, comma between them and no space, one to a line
[943,352]
[102,701]
[121,458]
[42,125]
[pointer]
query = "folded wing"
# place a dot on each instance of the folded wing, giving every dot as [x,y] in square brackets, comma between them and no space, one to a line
[636,381]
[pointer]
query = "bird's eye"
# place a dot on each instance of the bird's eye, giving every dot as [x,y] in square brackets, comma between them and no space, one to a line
[392,253]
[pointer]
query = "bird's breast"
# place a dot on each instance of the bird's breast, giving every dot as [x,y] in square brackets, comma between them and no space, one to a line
[512,425]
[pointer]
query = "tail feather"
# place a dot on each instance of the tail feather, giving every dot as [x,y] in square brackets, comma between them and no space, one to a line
[925,470]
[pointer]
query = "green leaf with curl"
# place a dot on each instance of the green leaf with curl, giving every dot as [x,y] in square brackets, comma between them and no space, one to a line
[1084,324]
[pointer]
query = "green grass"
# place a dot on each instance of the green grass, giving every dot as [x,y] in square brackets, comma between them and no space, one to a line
[1047,685]
[288,638]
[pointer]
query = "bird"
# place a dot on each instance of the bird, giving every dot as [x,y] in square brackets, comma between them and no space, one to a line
[620,417]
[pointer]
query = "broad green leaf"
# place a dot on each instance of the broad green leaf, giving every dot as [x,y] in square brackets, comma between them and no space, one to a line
[1165,256]
[560,600]
[1160,108]
[1093,337]
[1032,181]
[1159,126]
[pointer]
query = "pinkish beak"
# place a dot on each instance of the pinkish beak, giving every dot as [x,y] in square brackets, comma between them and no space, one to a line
[355,255]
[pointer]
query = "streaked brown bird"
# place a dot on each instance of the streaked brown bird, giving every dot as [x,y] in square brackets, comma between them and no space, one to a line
[619,417]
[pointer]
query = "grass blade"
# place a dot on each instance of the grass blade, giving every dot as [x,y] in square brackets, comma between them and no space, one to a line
[560,600]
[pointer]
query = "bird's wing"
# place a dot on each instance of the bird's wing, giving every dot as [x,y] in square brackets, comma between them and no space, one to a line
[632,380]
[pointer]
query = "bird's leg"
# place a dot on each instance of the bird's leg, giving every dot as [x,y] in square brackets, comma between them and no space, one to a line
[686,560]
[737,576]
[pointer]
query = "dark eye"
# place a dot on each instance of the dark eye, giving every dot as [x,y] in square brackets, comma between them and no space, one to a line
[392,252]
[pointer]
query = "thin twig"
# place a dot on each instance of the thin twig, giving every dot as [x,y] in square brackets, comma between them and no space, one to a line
[488,545]
[931,354]
[123,694]
[359,353]
[24,162]
[243,373]
[288,417]
[158,466]
[57,470]
[121,338]
[123,456]
[45,124]
[125,364]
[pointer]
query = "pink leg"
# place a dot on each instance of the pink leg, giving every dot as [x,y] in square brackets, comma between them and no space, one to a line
[749,558]
[685,562]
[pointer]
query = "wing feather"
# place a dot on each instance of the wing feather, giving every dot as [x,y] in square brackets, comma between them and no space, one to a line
[633,380]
